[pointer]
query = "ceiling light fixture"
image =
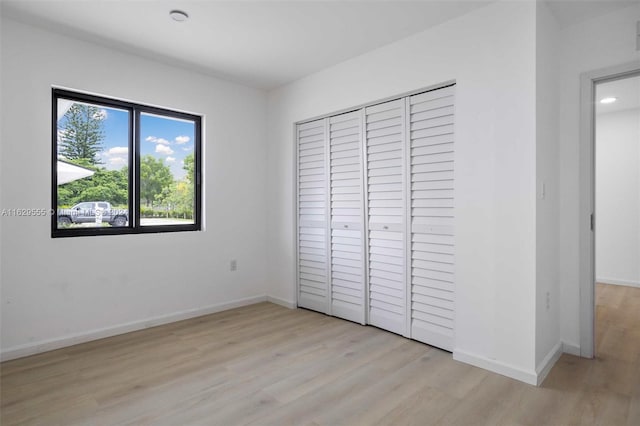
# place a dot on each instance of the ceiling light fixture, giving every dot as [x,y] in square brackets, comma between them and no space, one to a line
[178,15]
[608,100]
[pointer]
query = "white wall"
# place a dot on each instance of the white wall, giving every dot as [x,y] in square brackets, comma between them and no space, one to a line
[597,43]
[62,290]
[618,197]
[547,291]
[491,55]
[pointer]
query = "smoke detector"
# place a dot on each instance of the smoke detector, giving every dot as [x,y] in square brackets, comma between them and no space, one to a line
[179,15]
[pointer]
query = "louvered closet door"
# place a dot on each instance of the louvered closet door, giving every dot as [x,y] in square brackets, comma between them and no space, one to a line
[386,215]
[313,266]
[347,222]
[432,244]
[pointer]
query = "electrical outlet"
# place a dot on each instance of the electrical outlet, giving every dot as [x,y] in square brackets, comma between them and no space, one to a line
[548,300]
[233,265]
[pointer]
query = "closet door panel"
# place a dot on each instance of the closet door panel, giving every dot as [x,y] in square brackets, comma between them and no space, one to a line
[347,220]
[385,139]
[313,243]
[431,144]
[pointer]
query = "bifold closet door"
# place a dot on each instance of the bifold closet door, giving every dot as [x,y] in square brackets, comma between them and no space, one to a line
[376,216]
[385,140]
[432,234]
[347,220]
[313,242]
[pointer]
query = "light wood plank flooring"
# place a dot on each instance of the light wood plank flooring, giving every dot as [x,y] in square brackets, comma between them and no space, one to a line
[265,364]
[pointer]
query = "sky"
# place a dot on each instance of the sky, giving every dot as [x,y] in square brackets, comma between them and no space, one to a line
[162,137]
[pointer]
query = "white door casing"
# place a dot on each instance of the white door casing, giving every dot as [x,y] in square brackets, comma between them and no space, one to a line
[586,220]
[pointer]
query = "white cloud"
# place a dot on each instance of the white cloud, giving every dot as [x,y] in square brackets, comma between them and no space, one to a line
[170,160]
[163,149]
[157,140]
[187,148]
[118,161]
[116,157]
[182,139]
[118,150]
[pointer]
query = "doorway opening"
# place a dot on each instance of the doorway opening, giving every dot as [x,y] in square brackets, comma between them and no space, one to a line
[617,216]
[610,210]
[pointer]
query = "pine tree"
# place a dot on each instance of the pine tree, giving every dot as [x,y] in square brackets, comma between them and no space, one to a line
[82,135]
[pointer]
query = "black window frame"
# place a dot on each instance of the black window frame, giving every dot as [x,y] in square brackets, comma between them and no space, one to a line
[135,110]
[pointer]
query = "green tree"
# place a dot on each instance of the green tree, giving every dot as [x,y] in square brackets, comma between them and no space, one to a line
[81,137]
[155,176]
[189,167]
[104,185]
[179,199]
[108,185]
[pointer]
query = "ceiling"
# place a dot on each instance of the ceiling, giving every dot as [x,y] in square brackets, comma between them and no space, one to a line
[626,91]
[264,43]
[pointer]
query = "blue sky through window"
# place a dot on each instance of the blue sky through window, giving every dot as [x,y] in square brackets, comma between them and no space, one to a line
[169,139]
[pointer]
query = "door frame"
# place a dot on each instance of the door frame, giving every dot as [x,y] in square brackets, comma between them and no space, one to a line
[586,220]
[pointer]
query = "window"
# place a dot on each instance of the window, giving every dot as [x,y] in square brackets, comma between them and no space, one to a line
[123,168]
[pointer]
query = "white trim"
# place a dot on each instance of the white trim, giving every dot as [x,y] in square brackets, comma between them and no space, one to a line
[296,210]
[571,349]
[100,333]
[545,366]
[282,302]
[529,377]
[327,216]
[615,281]
[365,213]
[364,225]
[408,219]
[587,197]
[406,197]
[586,206]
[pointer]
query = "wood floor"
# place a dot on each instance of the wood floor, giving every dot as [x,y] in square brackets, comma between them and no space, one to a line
[265,365]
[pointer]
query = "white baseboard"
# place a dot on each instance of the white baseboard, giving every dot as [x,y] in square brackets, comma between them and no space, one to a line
[74,339]
[529,377]
[571,349]
[545,366]
[282,302]
[614,281]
